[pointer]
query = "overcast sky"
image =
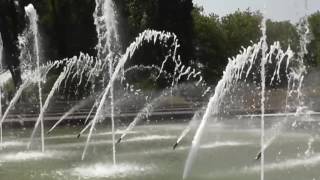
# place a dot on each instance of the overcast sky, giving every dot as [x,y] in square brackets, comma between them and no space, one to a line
[275,9]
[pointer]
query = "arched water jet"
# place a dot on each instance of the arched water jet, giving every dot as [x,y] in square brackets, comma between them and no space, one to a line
[147,110]
[232,73]
[295,76]
[15,98]
[193,123]
[78,106]
[73,109]
[235,70]
[87,125]
[27,82]
[146,36]
[45,106]
[71,64]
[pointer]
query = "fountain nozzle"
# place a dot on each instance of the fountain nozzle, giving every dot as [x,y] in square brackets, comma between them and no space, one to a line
[175,146]
[119,141]
[258,156]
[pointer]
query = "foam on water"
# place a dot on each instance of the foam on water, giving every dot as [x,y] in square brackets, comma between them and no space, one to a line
[31,155]
[4,77]
[110,171]
[149,138]
[72,136]
[223,144]
[287,164]
[117,132]
[312,161]
[217,144]
[103,142]
[12,144]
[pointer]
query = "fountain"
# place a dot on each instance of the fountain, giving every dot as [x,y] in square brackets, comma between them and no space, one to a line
[105,76]
[148,36]
[1,69]
[33,19]
[87,66]
[235,71]
[107,47]
[147,110]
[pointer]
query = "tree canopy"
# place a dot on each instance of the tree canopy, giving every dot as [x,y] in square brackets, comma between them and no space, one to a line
[207,41]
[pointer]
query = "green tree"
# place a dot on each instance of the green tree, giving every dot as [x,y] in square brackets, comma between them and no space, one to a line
[284,32]
[314,46]
[11,24]
[67,26]
[169,15]
[209,44]
[241,28]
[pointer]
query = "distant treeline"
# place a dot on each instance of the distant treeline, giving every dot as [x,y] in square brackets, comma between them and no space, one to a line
[206,40]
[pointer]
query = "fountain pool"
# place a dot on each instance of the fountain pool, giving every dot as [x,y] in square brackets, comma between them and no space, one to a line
[227,151]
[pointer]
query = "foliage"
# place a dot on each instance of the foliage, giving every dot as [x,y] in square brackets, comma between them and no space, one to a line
[241,28]
[207,41]
[210,44]
[314,47]
[284,32]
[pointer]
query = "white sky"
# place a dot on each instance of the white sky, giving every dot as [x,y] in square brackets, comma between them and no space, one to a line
[275,9]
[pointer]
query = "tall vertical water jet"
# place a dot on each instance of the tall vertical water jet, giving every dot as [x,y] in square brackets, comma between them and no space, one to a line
[33,20]
[1,69]
[295,79]
[1,51]
[280,57]
[108,43]
[301,70]
[264,60]
[240,68]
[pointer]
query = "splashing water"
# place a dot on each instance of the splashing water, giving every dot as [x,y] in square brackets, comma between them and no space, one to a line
[90,67]
[263,87]
[73,109]
[71,66]
[147,110]
[110,171]
[193,123]
[28,80]
[1,52]
[235,71]
[295,80]
[149,36]
[33,20]
[1,69]
[145,36]
[45,106]
[108,45]
[14,100]
[32,155]
[232,73]
[309,151]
